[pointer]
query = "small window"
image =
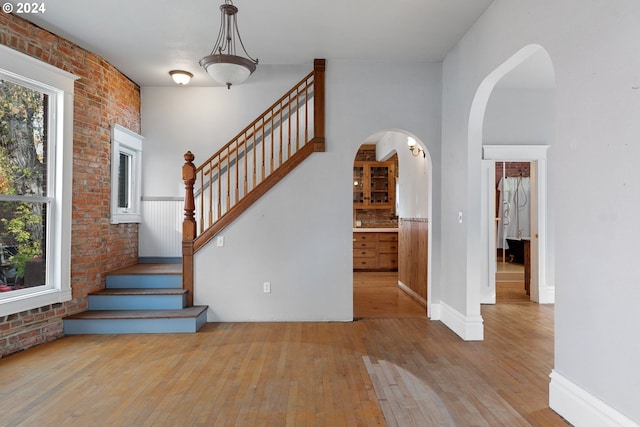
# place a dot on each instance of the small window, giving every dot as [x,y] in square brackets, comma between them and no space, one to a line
[126,175]
[124,181]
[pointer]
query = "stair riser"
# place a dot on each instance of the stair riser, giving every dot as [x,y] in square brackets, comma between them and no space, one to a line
[133,326]
[136,302]
[147,281]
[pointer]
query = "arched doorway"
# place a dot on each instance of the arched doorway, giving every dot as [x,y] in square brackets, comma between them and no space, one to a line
[511,89]
[411,212]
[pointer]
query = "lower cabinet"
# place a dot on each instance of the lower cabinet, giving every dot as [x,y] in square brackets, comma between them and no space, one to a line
[375,251]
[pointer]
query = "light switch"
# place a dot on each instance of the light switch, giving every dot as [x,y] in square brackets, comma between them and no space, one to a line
[460,217]
[220,241]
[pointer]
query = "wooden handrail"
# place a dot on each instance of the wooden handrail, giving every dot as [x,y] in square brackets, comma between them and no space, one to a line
[267,111]
[246,137]
[229,182]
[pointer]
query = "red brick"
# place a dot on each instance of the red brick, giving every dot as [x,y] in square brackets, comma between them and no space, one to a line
[103,96]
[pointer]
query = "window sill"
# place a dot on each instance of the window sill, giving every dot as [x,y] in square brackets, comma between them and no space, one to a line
[33,300]
[126,218]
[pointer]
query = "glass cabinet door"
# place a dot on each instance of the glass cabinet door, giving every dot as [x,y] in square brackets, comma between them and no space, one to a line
[373,185]
[358,185]
[379,185]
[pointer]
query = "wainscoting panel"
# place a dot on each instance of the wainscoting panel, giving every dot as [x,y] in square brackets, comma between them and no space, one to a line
[412,256]
[161,227]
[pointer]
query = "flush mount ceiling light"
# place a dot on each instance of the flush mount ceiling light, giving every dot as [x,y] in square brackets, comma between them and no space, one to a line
[415,149]
[222,64]
[180,77]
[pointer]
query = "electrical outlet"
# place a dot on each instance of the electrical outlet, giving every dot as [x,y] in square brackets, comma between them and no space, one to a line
[220,241]
[266,287]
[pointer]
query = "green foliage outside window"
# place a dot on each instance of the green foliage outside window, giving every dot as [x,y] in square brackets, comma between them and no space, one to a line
[22,171]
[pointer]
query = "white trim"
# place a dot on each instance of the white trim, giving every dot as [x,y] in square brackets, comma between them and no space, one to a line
[514,153]
[488,234]
[580,407]
[20,303]
[413,294]
[435,311]
[547,295]
[26,67]
[469,328]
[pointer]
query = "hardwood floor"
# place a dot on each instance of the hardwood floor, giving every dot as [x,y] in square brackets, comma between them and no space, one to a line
[377,295]
[510,283]
[412,370]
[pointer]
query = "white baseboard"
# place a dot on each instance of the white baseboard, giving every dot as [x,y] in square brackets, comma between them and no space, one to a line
[435,312]
[547,295]
[581,408]
[469,328]
[413,294]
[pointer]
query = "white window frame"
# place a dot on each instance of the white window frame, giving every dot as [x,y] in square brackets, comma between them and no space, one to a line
[130,143]
[59,86]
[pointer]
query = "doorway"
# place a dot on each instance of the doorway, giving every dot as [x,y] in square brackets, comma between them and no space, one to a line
[512,194]
[536,246]
[382,196]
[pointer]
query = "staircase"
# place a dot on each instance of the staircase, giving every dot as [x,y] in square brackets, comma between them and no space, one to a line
[158,298]
[253,162]
[144,298]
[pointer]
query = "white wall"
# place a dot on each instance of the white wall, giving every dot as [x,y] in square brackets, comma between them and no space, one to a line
[298,237]
[593,46]
[177,119]
[519,116]
[413,177]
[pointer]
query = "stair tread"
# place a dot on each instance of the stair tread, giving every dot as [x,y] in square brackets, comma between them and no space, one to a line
[189,312]
[140,291]
[151,268]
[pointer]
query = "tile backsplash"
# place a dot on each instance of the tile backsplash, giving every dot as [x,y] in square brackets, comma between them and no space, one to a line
[371,218]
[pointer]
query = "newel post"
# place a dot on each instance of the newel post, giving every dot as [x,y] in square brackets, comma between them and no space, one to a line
[188,226]
[318,103]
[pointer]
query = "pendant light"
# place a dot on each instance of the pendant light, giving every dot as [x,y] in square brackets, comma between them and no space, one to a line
[222,64]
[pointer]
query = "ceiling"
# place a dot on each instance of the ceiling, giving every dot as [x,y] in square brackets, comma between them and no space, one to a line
[145,39]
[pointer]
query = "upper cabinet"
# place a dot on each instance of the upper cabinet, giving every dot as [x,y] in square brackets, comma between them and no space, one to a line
[374,185]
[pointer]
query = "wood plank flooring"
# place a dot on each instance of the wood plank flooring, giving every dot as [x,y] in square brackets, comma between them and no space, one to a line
[377,295]
[292,374]
[510,283]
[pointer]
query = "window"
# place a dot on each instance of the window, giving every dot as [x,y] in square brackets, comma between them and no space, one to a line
[124,181]
[36,131]
[126,175]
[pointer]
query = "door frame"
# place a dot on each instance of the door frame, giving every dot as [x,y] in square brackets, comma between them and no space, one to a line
[541,292]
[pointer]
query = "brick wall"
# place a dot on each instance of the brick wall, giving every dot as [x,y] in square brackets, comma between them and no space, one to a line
[512,169]
[103,96]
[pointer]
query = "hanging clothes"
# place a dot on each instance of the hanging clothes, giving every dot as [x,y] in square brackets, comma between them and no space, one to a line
[514,209]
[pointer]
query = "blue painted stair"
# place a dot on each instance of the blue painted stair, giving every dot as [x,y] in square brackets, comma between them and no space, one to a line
[144,298]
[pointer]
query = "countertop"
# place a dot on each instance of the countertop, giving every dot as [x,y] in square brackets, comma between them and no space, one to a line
[375,230]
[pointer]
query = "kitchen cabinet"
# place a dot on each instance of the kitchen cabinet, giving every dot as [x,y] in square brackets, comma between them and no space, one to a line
[375,251]
[374,185]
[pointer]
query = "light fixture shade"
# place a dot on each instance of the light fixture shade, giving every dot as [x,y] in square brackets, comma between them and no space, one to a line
[223,64]
[180,77]
[228,69]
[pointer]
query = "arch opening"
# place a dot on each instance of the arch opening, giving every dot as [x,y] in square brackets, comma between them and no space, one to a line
[523,87]
[412,209]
